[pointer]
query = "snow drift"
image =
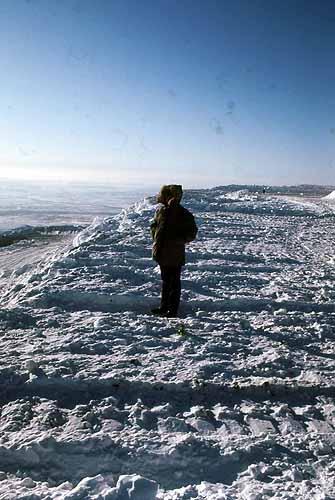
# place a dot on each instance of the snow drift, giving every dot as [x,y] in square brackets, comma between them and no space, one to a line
[330,196]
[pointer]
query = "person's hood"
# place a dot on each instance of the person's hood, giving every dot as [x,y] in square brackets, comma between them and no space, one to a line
[171,193]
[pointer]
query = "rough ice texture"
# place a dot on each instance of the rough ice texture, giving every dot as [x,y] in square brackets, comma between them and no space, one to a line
[101,400]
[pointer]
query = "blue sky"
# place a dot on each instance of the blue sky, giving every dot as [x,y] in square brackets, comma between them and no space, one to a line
[145,92]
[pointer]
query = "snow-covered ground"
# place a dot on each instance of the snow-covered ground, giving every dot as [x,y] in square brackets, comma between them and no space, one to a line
[233,400]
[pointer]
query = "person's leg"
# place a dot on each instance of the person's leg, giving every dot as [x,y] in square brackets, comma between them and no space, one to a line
[171,291]
[165,291]
[175,291]
[166,288]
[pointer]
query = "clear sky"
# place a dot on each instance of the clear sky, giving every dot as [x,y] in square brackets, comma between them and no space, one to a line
[199,92]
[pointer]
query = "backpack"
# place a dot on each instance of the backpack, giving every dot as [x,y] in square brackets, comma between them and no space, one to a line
[187,226]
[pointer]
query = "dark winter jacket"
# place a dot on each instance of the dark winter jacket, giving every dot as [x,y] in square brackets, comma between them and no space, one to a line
[167,233]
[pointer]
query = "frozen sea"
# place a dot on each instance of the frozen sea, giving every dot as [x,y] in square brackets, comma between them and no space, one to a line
[46,204]
[233,400]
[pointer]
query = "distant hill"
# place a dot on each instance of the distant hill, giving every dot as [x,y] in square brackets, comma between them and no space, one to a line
[306,189]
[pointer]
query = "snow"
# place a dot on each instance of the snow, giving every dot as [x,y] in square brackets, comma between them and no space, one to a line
[232,400]
[330,196]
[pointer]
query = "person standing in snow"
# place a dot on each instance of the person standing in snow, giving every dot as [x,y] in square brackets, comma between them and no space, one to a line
[172,228]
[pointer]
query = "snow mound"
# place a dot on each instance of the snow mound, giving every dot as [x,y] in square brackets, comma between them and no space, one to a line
[330,196]
[242,194]
[129,487]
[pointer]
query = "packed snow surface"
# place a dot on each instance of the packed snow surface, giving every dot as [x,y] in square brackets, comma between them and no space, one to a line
[233,400]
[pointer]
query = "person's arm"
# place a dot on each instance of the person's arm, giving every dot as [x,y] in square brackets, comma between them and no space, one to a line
[153,227]
[158,230]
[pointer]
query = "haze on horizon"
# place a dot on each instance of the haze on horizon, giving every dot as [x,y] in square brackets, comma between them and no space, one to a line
[199,93]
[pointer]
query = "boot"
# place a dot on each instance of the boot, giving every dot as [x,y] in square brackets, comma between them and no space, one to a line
[159,311]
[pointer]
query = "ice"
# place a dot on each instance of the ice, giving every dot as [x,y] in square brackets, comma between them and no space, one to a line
[320,427]
[173,424]
[134,487]
[91,487]
[234,399]
[290,425]
[260,427]
[44,204]
[201,425]
[230,427]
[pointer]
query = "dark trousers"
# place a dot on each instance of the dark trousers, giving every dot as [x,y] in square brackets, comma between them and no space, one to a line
[171,288]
